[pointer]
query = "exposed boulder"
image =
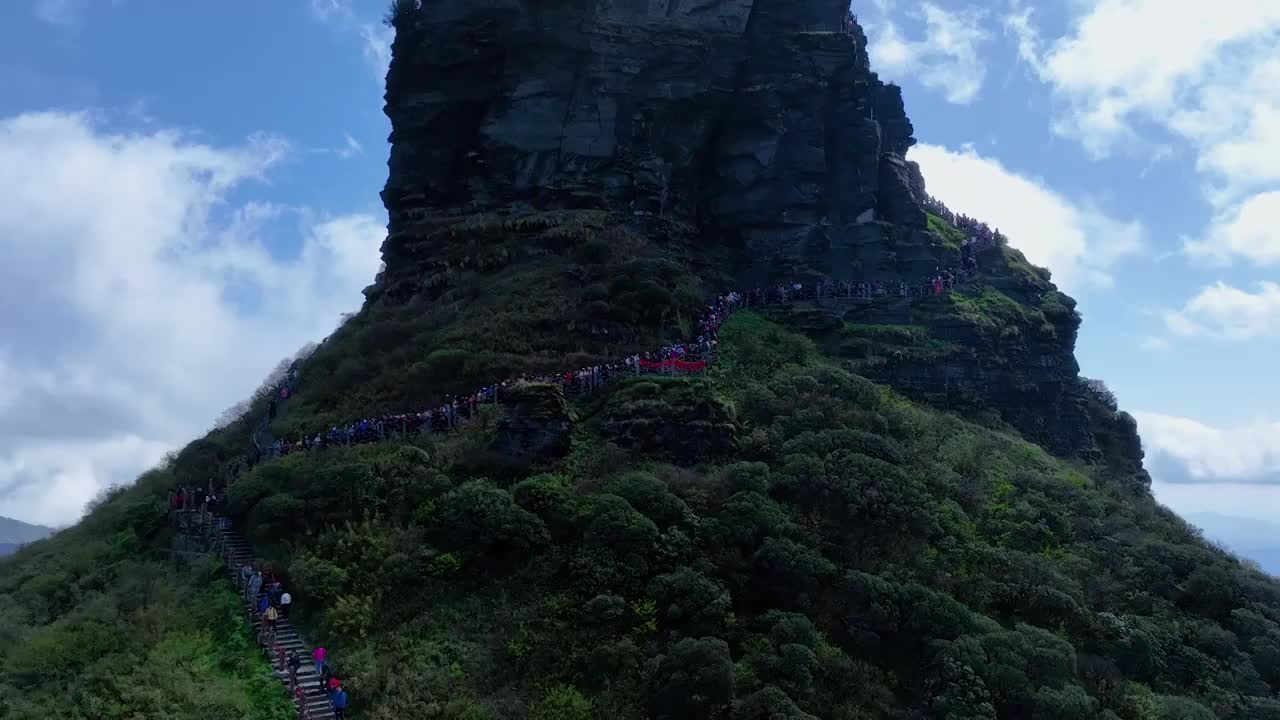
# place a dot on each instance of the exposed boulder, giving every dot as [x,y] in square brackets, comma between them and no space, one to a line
[898,202]
[535,424]
[680,419]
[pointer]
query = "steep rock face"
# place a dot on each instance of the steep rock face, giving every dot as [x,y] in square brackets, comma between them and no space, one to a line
[757,123]
[759,118]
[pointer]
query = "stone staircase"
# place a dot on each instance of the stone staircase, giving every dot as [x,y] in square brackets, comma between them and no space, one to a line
[312,702]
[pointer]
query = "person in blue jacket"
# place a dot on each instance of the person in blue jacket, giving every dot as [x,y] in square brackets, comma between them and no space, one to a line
[338,698]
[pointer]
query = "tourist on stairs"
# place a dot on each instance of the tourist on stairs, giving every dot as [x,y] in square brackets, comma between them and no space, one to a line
[319,655]
[293,662]
[326,673]
[339,702]
[255,586]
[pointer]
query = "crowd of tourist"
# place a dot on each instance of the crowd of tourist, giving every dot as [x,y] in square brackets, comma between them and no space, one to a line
[676,359]
[850,22]
[199,499]
[980,235]
[270,602]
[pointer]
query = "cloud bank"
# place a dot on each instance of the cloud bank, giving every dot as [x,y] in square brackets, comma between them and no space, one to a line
[1181,450]
[144,297]
[947,58]
[1074,240]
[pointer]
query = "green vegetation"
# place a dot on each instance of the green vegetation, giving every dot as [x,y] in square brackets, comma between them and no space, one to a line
[869,345]
[853,556]
[783,538]
[98,624]
[951,236]
[1023,270]
[509,296]
[991,309]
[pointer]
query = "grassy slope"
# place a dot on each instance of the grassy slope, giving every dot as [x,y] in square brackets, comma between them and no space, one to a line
[97,623]
[508,296]
[856,556]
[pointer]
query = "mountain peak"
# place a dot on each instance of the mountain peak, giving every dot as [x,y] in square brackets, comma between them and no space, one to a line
[760,120]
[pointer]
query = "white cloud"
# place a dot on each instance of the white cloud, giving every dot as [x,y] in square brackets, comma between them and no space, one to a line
[1020,24]
[375,36]
[377,47]
[1248,230]
[64,13]
[325,10]
[70,474]
[1206,74]
[1155,344]
[947,59]
[1181,450]
[1225,312]
[350,148]
[1131,60]
[147,301]
[1076,241]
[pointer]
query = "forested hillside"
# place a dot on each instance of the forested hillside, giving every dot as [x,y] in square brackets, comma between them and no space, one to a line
[892,504]
[99,622]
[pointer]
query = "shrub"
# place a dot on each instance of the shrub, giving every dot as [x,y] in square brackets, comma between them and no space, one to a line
[1172,707]
[480,518]
[444,564]
[276,516]
[1099,391]
[550,498]
[400,11]
[619,547]
[690,602]
[615,525]
[694,681]
[404,479]
[352,615]
[788,573]
[747,518]
[769,703]
[650,496]
[317,578]
[562,702]
[747,477]
[263,481]
[605,609]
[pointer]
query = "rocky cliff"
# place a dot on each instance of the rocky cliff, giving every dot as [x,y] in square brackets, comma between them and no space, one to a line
[758,125]
[761,119]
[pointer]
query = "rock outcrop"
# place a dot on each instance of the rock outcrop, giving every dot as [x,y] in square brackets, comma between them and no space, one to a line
[684,421]
[535,425]
[761,119]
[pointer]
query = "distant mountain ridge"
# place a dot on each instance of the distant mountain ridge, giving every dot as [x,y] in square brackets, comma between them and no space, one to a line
[1257,540]
[15,533]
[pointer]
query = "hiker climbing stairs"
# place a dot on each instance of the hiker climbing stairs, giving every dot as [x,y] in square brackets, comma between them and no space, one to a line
[311,699]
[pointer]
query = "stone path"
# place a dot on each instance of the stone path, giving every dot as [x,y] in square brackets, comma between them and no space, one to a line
[314,703]
[377,431]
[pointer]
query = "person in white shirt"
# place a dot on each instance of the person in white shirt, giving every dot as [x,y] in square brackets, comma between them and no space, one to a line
[285,600]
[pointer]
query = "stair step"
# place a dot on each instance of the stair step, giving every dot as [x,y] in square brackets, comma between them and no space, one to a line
[237,551]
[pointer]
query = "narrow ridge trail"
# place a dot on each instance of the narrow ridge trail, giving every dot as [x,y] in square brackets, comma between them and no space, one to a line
[445,418]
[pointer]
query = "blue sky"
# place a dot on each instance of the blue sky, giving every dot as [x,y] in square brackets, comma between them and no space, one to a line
[189,191]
